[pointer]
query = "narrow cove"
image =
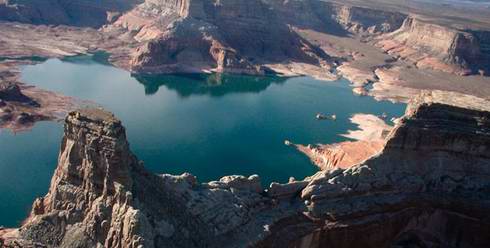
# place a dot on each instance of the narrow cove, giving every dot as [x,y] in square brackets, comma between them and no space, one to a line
[207,125]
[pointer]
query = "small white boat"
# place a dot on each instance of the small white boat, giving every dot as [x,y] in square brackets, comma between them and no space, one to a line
[325,117]
[321,116]
[287,142]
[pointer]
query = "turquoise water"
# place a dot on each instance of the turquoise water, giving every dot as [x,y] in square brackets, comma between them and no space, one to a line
[208,125]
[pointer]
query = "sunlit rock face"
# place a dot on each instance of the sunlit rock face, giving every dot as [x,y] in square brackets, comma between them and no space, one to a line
[100,195]
[428,187]
[226,36]
[438,47]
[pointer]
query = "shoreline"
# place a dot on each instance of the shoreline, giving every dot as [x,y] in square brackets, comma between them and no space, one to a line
[365,142]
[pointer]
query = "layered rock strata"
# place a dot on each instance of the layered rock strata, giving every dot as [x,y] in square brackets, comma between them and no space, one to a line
[366,142]
[364,20]
[438,47]
[77,13]
[428,187]
[252,37]
[224,36]
[101,195]
[336,18]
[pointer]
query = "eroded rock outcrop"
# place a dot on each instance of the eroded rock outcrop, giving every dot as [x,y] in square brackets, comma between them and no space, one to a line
[335,17]
[15,106]
[366,20]
[435,46]
[428,187]
[78,12]
[368,141]
[101,195]
[225,36]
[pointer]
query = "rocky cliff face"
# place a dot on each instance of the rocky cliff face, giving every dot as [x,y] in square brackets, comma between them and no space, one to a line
[367,141]
[100,195]
[483,60]
[336,18]
[360,20]
[78,13]
[429,187]
[192,35]
[437,47]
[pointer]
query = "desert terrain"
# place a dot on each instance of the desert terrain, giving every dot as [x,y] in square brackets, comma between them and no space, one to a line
[424,175]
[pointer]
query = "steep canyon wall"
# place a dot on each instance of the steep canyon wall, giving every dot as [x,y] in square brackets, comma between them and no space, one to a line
[435,46]
[428,187]
[77,13]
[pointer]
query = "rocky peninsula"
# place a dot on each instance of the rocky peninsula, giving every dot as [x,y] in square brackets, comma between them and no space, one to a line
[368,141]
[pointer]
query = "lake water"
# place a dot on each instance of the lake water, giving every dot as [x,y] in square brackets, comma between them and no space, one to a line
[208,125]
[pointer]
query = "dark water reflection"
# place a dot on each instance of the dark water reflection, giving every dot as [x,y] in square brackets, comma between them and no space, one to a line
[213,85]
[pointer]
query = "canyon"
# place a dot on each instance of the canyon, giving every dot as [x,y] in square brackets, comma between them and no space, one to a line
[422,182]
[385,51]
[429,184]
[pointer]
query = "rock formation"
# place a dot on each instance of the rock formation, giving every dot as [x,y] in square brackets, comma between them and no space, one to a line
[435,46]
[226,36]
[364,20]
[428,187]
[336,18]
[11,92]
[77,13]
[12,105]
[101,195]
[369,140]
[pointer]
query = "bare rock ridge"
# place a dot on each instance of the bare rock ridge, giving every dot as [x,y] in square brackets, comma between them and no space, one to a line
[336,18]
[12,104]
[227,36]
[253,37]
[428,187]
[11,92]
[366,142]
[101,195]
[438,47]
[78,13]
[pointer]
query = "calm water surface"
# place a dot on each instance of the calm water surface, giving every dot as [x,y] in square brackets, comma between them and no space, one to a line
[209,125]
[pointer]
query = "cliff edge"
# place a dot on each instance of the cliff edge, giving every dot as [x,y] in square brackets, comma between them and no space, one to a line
[428,187]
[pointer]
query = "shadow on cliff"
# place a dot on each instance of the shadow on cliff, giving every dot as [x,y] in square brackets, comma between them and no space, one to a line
[65,12]
[214,85]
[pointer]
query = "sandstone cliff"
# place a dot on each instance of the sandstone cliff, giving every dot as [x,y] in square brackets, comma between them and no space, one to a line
[101,195]
[67,12]
[336,18]
[436,46]
[359,19]
[367,142]
[226,36]
[428,187]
